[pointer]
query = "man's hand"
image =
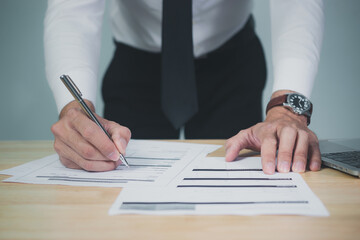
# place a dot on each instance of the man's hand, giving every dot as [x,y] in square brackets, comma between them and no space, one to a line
[81,144]
[284,131]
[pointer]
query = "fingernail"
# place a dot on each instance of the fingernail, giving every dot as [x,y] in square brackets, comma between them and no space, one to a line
[269,168]
[284,167]
[114,156]
[299,167]
[315,166]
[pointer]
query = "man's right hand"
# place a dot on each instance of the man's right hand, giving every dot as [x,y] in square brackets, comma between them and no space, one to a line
[81,144]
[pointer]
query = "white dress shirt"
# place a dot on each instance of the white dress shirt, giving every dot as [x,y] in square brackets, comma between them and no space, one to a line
[72,37]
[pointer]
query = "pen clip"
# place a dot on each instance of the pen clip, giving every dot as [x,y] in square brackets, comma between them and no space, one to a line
[68,79]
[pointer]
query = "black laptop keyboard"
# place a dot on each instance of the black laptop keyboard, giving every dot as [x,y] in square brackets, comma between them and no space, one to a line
[351,158]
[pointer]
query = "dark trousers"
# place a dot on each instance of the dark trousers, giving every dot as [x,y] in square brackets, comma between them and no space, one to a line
[229,80]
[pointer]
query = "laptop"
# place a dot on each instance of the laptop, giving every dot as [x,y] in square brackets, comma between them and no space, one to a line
[341,154]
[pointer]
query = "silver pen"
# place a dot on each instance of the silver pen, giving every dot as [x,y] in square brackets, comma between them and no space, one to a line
[74,90]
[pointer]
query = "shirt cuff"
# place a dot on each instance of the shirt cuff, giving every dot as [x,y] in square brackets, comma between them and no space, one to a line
[294,74]
[84,80]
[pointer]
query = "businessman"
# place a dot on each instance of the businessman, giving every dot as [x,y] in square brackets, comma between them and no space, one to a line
[193,64]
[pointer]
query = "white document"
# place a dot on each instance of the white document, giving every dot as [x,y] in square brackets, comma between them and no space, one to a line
[211,186]
[151,163]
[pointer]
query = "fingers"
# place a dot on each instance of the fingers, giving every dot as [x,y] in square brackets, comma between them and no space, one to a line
[296,145]
[259,137]
[301,152]
[68,163]
[292,152]
[119,134]
[82,147]
[268,153]
[287,138]
[71,159]
[295,148]
[314,154]
[80,143]
[94,135]
[232,148]
[235,144]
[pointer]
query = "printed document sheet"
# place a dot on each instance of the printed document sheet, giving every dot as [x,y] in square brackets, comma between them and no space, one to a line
[211,186]
[151,163]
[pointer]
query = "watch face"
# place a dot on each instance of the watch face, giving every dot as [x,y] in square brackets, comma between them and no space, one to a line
[299,103]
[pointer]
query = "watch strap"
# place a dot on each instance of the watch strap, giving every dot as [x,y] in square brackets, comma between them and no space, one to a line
[277,101]
[280,100]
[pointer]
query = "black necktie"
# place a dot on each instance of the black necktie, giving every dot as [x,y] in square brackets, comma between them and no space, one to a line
[179,94]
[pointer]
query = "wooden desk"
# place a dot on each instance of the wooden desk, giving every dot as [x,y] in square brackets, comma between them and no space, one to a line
[64,212]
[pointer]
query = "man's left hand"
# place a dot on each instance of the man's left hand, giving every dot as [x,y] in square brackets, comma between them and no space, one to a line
[282,131]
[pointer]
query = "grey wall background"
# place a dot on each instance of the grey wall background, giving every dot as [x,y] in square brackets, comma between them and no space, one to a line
[27,108]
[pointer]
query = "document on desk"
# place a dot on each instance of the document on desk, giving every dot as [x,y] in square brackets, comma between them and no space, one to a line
[151,163]
[211,186]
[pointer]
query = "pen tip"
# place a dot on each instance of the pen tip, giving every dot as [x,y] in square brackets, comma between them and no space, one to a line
[123,160]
